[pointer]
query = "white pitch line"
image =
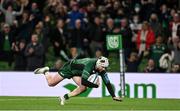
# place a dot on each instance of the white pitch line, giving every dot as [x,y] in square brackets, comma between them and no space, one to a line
[32,99]
[85,110]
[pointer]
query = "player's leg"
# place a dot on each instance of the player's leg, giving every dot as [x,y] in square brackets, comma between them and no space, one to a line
[52,79]
[81,88]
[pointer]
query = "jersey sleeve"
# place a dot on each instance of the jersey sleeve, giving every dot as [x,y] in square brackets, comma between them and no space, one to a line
[87,70]
[104,77]
[85,75]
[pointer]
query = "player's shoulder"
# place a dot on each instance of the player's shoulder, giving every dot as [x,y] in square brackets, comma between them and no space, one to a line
[88,59]
[91,59]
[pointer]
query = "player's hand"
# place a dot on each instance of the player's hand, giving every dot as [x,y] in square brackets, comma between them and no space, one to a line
[117,99]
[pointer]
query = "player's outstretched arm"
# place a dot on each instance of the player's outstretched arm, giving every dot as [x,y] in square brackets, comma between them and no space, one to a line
[108,85]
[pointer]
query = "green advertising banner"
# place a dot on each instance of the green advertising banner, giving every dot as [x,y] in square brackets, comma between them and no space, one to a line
[114,42]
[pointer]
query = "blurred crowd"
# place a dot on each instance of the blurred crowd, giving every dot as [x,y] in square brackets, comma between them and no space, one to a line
[150,29]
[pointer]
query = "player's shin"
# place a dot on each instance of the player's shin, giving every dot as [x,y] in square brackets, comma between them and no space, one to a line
[75,92]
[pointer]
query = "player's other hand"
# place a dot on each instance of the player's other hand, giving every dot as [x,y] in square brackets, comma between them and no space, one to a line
[117,99]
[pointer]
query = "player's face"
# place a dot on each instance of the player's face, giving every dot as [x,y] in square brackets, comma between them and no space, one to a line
[100,68]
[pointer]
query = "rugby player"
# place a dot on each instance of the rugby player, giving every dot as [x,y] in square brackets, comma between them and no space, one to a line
[79,70]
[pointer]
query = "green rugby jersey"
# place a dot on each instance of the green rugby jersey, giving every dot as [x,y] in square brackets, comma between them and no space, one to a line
[78,67]
[156,51]
[84,68]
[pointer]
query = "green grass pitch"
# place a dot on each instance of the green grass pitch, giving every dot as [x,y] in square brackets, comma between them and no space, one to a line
[82,103]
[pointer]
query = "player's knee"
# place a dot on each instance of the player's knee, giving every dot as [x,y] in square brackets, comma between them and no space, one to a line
[51,84]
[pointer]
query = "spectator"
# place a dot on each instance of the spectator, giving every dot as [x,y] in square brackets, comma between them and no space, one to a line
[7,40]
[34,10]
[164,20]
[110,26]
[102,13]
[38,30]
[165,62]
[137,11]
[1,16]
[174,28]
[120,15]
[92,12]
[59,39]
[96,34]
[145,37]
[126,33]
[20,59]
[79,40]
[42,34]
[26,26]
[175,68]
[176,51]
[34,53]
[10,15]
[46,29]
[135,26]
[155,25]
[151,67]
[172,12]
[61,11]
[24,2]
[112,17]
[133,62]
[99,53]
[74,15]
[178,31]
[112,8]
[148,6]
[109,30]
[157,50]
[15,28]
[57,9]
[58,64]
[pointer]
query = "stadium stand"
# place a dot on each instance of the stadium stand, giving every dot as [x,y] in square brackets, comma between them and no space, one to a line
[66,28]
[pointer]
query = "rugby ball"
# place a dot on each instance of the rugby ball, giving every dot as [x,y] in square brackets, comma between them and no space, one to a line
[93,78]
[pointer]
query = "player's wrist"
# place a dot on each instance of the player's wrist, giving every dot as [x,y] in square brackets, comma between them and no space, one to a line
[66,96]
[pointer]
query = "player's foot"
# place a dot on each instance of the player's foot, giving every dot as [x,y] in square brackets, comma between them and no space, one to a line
[62,100]
[41,70]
